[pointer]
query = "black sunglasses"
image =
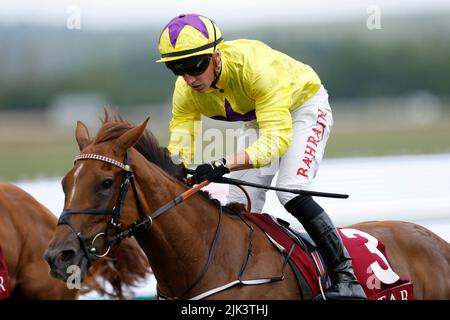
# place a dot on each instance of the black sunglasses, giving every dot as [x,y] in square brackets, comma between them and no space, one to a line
[179,69]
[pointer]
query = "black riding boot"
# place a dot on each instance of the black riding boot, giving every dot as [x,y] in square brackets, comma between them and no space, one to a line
[319,226]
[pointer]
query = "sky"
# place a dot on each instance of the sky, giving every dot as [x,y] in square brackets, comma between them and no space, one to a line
[121,14]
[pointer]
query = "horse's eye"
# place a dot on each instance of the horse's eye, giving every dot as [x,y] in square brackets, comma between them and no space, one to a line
[107,183]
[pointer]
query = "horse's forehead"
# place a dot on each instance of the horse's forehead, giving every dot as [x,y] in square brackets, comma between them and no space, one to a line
[105,148]
[81,167]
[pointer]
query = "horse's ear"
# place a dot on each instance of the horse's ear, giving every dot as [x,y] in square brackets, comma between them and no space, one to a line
[82,135]
[129,138]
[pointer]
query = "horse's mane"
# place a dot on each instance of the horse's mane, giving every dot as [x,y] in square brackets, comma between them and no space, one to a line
[114,126]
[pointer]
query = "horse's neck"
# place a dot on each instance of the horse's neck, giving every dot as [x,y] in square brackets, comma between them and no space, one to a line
[178,242]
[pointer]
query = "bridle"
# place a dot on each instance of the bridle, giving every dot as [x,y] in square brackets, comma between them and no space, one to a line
[88,247]
[145,221]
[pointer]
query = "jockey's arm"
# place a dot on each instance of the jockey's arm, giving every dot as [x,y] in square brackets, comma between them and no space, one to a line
[238,161]
[184,126]
[270,89]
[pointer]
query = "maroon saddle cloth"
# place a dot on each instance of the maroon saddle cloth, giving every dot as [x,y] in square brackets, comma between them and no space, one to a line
[370,263]
[4,288]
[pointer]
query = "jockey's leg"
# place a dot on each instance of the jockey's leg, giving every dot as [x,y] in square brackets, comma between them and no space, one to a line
[311,126]
[257,196]
[321,229]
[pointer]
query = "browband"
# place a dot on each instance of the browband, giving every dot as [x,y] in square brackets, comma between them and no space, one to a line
[119,164]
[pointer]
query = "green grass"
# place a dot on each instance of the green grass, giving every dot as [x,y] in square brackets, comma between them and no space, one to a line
[389,142]
[24,160]
[44,158]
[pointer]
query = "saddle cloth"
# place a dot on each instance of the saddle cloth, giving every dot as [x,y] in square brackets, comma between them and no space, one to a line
[370,263]
[4,289]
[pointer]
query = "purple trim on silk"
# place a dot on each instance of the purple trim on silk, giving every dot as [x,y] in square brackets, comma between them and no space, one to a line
[177,24]
[234,116]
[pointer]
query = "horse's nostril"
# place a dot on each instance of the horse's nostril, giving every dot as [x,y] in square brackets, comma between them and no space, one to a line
[60,258]
[65,256]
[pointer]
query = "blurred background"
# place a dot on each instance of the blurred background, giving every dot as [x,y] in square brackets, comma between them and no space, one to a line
[385,65]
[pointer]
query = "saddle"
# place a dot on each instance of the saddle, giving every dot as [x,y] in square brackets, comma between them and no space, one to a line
[4,288]
[371,266]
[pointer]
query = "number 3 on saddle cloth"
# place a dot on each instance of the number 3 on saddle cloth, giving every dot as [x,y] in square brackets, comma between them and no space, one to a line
[370,263]
[4,290]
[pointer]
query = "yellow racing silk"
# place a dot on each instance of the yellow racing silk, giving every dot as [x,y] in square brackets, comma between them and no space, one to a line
[257,83]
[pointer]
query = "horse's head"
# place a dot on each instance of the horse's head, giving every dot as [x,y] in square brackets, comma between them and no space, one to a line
[97,206]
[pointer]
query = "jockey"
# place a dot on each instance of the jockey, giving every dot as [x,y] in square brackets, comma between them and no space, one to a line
[279,98]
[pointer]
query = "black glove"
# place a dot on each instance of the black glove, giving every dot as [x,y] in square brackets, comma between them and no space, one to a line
[210,171]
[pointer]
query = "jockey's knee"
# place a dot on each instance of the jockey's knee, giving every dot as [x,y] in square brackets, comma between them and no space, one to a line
[284,197]
[303,206]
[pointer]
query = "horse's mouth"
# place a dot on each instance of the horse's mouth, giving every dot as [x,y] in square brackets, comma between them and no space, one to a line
[58,274]
[72,273]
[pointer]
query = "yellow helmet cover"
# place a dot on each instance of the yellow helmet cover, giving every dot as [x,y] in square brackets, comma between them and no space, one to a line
[188,35]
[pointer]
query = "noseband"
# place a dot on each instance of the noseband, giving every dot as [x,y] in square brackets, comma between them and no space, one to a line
[88,247]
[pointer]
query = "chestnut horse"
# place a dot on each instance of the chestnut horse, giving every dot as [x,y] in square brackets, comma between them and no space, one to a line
[196,248]
[26,227]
